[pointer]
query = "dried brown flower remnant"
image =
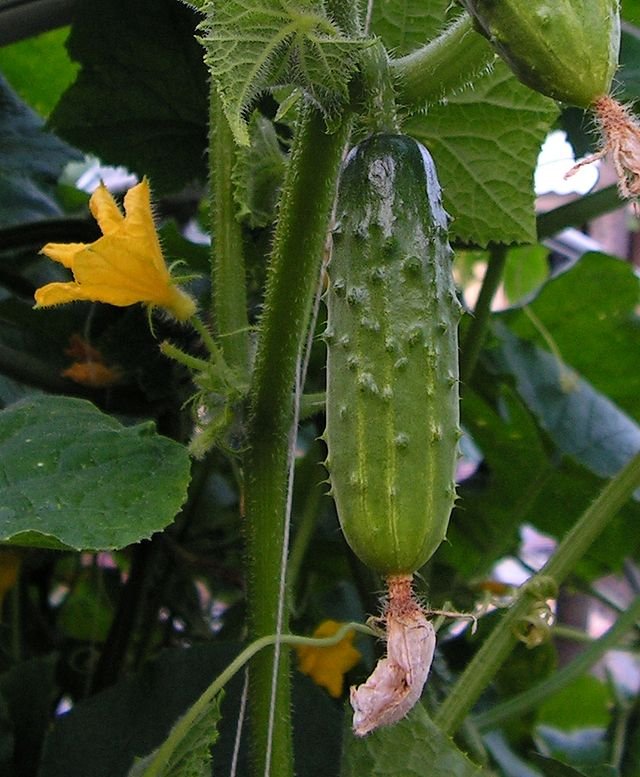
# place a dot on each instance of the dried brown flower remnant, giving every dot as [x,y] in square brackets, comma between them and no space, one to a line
[620,139]
[398,679]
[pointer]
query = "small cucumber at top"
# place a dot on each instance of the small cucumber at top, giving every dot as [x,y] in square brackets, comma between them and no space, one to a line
[565,49]
[392,365]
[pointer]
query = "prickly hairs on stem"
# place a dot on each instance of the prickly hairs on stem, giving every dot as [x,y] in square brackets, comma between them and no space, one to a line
[396,683]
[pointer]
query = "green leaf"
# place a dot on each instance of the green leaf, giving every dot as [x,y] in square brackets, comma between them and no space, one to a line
[111,729]
[74,477]
[574,754]
[596,299]
[39,68]
[27,692]
[403,750]
[258,174]
[192,756]
[404,25]
[252,46]
[526,269]
[582,422]
[31,161]
[140,98]
[585,702]
[485,142]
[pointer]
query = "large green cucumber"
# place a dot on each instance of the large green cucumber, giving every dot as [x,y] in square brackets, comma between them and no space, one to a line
[566,49]
[392,369]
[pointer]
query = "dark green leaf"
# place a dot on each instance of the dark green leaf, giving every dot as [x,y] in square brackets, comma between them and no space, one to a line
[28,690]
[140,98]
[31,161]
[405,750]
[128,721]
[74,477]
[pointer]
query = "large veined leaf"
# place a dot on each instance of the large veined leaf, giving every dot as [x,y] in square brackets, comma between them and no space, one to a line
[485,142]
[404,750]
[254,45]
[404,25]
[74,477]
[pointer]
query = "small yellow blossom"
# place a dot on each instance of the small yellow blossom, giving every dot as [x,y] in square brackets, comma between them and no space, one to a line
[124,266]
[89,367]
[92,374]
[327,666]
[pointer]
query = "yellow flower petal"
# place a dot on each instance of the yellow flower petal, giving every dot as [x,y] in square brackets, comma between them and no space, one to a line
[327,666]
[94,374]
[105,210]
[65,253]
[122,267]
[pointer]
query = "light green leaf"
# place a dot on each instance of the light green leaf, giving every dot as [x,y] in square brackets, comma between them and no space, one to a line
[253,46]
[485,142]
[74,477]
[39,68]
[404,750]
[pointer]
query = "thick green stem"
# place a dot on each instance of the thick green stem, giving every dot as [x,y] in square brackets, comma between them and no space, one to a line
[228,270]
[495,650]
[443,66]
[293,278]
[523,702]
[477,331]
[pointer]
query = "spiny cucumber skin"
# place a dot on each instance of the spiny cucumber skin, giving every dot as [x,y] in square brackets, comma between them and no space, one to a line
[392,367]
[566,49]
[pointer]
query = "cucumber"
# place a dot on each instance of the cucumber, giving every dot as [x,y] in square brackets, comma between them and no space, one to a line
[392,366]
[566,49]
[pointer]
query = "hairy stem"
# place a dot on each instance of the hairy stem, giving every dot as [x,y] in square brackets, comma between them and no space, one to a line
[497,647]
[228,270]
[443,66]
[294,270]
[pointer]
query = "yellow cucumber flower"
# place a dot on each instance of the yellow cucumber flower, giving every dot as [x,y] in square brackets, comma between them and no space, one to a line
[124,266]
[327,666]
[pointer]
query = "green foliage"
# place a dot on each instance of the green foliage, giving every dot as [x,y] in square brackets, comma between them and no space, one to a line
[254,46]
[22,65]
[151,115]
[485,142]
[31,160]
[108,640]
[58,478]
[403,751]
[192,755]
